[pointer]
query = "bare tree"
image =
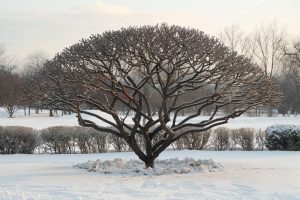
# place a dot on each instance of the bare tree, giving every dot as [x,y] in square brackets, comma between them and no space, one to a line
[11,85]
[269,41]
[264,46]
[289,80]
[268,52]
[171,60]
[236,40]
[34,63]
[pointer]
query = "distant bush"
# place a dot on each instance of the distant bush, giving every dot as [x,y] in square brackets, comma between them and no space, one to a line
[178,144]
[89,140]
[17,139]
[244,137]
[118,144]
[63,139]
[99,140]
[194,141]
[82,137]
[283,137]
[58,140]
[260,139]
[221,138]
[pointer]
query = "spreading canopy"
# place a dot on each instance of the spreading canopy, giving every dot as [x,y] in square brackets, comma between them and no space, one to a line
[153,74]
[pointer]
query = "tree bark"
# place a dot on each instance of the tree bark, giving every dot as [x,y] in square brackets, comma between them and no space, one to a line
[149,162]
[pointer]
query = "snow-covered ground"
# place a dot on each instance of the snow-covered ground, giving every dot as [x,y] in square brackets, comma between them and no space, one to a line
[244,175]
[42,120]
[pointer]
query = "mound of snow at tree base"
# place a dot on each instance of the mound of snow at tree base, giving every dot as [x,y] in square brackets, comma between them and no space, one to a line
[136,167]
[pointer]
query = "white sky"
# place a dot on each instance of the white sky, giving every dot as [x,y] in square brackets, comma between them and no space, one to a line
[51,25]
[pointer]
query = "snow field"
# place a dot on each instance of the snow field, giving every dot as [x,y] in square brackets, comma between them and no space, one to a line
[245,175]
[42,120]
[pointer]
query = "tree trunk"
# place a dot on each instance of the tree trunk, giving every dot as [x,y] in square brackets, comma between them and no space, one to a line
[51,113]
[270,112]
[149,162]
[37,110]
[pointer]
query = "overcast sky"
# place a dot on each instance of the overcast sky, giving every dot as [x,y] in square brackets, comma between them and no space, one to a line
[51,25]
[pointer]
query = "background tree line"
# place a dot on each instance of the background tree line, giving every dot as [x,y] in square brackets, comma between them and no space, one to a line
[271,48]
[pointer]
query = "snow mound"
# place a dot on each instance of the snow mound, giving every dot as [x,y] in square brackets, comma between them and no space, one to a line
[137,167]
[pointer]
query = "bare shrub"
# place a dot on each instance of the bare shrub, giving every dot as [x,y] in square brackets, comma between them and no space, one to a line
[196,141]
[82,138]
[58,140]
[63,139]
[244,137]
[220,140]
[260,139]
[89,140]
[193,141]
[118,144]
[179,144]
[233,144]
[99,141]
[17,139]
[247,139]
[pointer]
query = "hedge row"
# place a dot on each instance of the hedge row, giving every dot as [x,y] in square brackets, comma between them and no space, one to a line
[223,139]
[57,140]
[62,139]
